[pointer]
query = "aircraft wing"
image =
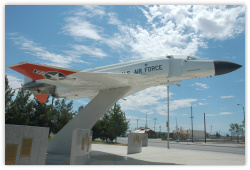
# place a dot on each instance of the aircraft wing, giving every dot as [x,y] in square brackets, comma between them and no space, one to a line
[76,83]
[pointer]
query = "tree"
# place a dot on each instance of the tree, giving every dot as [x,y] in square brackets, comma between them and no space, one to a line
[97,130]
[237,129]
[111,124]
[44,115]
[9,93]
[104,123]
[64,114]
[24,109]
[118,124]
[217,135]
[20,109]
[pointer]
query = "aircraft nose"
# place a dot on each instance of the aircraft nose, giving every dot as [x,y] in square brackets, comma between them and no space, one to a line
[223,67]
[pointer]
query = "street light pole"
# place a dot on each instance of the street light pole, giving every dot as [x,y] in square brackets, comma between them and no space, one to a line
[168,111]
[168,118]
[243,113]
[192,124]
[243,116]
[205,127]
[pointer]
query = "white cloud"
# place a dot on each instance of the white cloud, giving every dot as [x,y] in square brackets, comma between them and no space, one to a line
[210,21]
[113,19]
[95,10]
[211,114]
[200,86]
[41,53]
[169,29]
[154,100]
[227,97]
[221,113]
[176,104]
[79,28]
[145,100]
[92,51]
[225,113]
[218,22]
[202,104]
[14,82]
[180,29]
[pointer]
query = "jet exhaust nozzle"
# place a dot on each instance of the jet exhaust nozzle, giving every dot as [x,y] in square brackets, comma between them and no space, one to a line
[223,67]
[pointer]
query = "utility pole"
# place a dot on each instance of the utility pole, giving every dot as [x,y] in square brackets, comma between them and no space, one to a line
[137,123]
[244,118]
[146,126]
[160,130]
[192,124]
[154,122]
[205,127]
[168,118]
[211,130]
[176,127]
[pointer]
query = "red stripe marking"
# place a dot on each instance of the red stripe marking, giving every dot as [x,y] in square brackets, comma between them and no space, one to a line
[27,70]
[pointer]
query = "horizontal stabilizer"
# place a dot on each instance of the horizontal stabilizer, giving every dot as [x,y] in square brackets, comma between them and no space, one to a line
[38,71]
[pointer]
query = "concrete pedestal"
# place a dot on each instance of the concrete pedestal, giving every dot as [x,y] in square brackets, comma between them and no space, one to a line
[134,143]
[25,145]
[144,139]
[81,147]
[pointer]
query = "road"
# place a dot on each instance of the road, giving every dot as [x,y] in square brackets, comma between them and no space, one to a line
[223,148]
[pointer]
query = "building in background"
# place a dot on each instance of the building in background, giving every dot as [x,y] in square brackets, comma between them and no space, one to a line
[151,133]
[187,134]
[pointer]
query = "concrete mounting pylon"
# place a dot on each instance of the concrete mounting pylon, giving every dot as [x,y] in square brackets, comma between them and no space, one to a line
[85,119]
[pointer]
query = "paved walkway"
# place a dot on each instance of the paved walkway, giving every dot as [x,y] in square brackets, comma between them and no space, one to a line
[117,155]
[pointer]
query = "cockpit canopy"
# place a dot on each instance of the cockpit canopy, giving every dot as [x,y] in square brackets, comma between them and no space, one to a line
[182,57]
[192,58]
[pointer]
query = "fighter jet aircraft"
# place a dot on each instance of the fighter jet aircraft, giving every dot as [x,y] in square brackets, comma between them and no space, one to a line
[106,85]
[44,80]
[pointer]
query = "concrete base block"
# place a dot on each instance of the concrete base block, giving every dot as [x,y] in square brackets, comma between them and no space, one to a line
[25,145]
[134,142]
[81,146]
[144,139]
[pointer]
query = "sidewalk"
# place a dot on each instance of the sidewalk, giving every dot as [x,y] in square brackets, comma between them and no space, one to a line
[234,145]
[117,155]
[162,156]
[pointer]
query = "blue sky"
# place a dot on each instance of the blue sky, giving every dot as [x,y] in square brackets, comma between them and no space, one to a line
[82,37]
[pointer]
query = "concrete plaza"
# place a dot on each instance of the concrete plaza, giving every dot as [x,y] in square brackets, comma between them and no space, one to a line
[117,155]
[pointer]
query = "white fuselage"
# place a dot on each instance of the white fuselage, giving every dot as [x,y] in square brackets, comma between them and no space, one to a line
[155,72]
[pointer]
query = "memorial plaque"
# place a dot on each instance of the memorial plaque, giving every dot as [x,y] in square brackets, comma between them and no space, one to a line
[26,147]
[10,154]
[83,143]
